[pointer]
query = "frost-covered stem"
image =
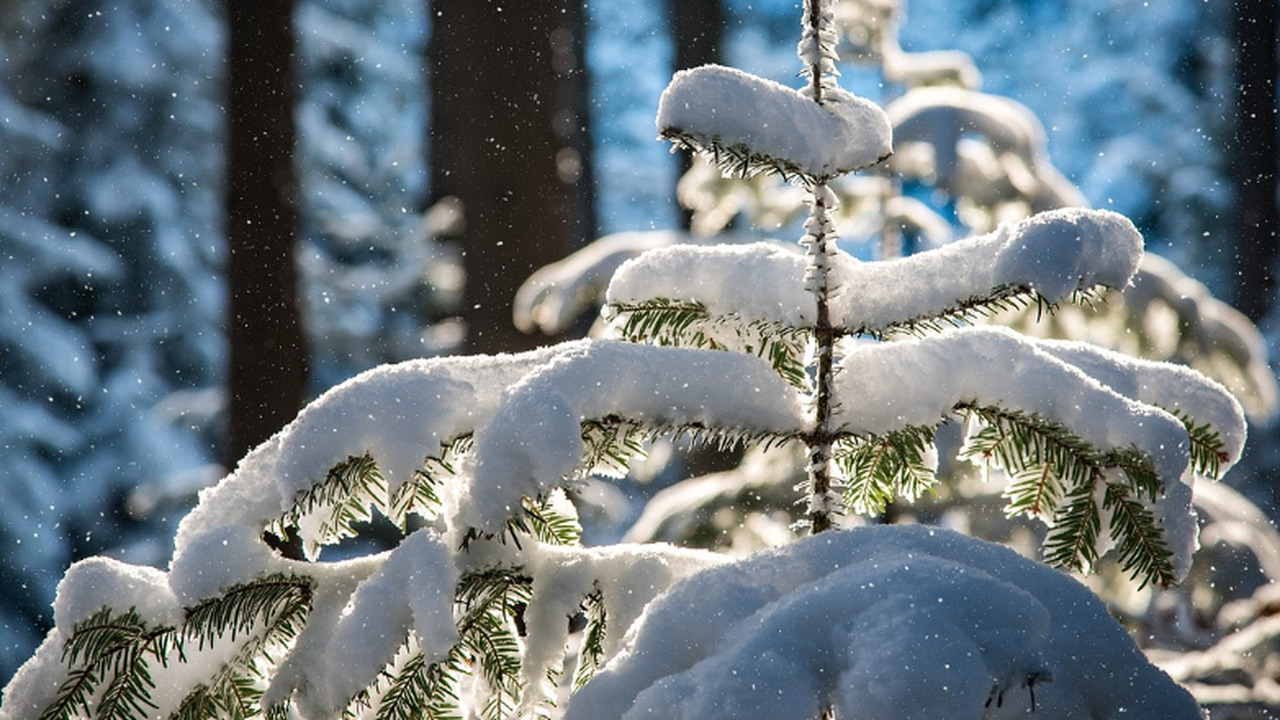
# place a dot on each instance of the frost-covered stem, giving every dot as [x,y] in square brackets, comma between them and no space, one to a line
[817,51]
[818,242]
[817,47]
[813,20]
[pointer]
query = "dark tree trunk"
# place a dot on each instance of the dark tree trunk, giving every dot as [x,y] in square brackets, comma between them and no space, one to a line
[509,138]
[1253,156]
[697,27]
[267,377]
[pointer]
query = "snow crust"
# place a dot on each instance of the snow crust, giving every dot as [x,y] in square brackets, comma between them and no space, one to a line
[729,107]
[1053,253]
[884,623]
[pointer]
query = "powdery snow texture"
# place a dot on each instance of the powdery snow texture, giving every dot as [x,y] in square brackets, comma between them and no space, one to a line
[1054,254]
[534,439]
[731,108]
[883,623]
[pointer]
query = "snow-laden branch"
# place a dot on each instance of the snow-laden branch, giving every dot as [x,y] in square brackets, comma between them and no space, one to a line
[726,112]
[885,623]
[1052,254]
[887,386]
[1175,388]
[360,620]
[627,576]
[1108,400]
[534,440]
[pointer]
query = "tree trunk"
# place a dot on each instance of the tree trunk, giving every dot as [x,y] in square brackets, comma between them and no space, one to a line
[509,138]
[697,27]
[267,377]
[1253,155]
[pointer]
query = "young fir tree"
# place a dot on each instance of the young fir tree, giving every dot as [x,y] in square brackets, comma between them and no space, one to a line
[490,607]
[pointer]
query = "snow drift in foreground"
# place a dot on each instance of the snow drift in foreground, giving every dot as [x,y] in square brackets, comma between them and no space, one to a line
[883,623]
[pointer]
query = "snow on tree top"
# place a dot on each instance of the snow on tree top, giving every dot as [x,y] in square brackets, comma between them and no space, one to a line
[719,107]
[886,623]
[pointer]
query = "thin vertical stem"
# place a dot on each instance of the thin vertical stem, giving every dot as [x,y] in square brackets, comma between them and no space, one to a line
[821,232]
[816,51]
[813,11]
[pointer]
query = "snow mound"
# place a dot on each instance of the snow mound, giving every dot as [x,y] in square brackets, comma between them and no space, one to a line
[719,105]
[883,623]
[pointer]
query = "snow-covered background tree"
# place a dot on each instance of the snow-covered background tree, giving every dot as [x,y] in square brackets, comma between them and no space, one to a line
[112,334]
[489,605]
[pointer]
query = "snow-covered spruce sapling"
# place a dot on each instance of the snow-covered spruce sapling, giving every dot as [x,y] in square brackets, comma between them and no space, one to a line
[471,614]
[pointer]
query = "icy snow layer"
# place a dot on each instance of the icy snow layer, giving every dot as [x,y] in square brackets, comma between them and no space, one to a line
[718,105]
[1053,253]
[884,623]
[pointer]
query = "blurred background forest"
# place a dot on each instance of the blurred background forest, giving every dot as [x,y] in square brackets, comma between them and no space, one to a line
[210,213]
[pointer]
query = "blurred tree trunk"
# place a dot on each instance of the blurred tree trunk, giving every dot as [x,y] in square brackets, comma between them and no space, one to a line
[267,376]
[1253,154]
[509,138]
[697,28]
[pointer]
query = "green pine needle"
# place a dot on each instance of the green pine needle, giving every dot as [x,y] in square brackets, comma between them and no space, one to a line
[677,323]
[877,468]
[1144,553]
[346,496]
[107,655]
[1072,542]
[736,160]
[1055,473]
[611,445]
[1002,298]
[1208,451]
[591,652]
[418,689]
[493,603]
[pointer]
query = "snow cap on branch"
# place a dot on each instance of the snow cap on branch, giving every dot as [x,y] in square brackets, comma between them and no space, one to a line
[534,440]
[918,382]
[721,110]
[1053,254]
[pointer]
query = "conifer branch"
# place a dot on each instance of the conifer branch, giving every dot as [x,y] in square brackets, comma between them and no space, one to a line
[1043,458]
[421,494]
[611,445]
[679,323]
[1072,542]
[1002,298]
[1144,554]
[493,603]
[591,651]
[735,159]
[419,689]
[877,468]
[346,496]
[1208,451]
[110,654]
[540,521]
[1054,473]
[109,677]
